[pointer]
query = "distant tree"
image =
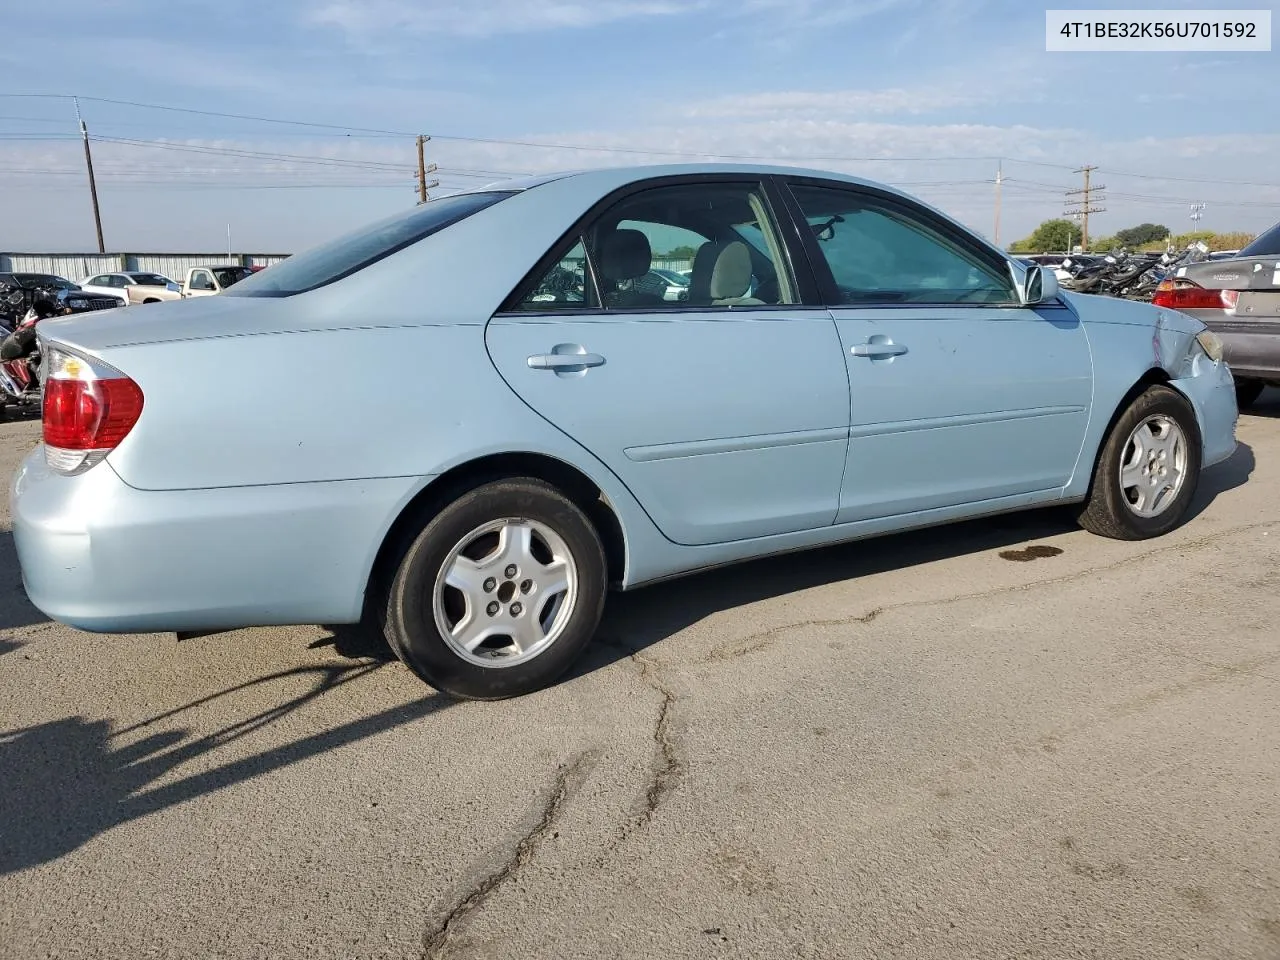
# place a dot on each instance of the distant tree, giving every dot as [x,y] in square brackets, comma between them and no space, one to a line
[1051,236]
[1230,241]
[1103,244]
[1142,233]
[1182,239]
[680,253]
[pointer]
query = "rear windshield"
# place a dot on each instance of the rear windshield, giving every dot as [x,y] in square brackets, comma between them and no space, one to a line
[1265,245]
[149,279]
[229,275]
[344,256]
[30,280]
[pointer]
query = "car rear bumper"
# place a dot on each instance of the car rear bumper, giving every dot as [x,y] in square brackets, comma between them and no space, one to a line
[1250,347]
[1252,354]
[102,556]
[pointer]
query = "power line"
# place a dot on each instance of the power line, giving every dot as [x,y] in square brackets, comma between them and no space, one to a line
[254,154]
[600,148]
[593,148]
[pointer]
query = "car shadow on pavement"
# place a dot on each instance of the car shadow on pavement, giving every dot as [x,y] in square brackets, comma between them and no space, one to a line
[355,641]
[639,619]
[67,781]
[1267,405]
[1221,477]
[16,611]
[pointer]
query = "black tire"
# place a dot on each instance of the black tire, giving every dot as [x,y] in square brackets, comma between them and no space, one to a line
[1107,512]
[409,621]
[1248,392]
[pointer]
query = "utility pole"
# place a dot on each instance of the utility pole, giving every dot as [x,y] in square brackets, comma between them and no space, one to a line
[93,186]
[999,180]
[423,170]
[1086,206]
[1197,211]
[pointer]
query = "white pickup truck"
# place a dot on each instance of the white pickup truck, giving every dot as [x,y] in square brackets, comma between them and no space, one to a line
[212,280]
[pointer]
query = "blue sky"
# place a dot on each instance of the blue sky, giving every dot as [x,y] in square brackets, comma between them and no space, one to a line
[789,80]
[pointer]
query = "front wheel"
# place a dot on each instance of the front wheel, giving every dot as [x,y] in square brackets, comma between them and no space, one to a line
[499,593]
[1148,471]
[1248,392]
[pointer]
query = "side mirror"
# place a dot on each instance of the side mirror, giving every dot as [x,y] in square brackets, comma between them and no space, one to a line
[1039,285]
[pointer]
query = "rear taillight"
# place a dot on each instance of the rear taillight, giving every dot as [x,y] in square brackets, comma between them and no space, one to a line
[1189,296]
[89,407]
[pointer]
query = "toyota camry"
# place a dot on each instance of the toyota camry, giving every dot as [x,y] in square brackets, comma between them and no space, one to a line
[537,426]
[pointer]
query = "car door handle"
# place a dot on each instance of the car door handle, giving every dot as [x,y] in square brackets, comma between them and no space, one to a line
[565,361]
[878,349]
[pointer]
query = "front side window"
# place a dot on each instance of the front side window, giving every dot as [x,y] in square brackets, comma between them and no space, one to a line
[201,281]
[709,245]
[348,254]
[880,251]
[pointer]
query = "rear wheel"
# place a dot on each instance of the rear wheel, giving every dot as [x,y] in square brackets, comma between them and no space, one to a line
[499,593]
[1148,471]
[1248,391]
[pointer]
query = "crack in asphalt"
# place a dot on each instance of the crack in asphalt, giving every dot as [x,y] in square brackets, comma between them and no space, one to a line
[439,933]
[667,764]
[759,641]
[666,771]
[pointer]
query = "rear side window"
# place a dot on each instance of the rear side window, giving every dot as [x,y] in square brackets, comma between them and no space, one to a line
[1265,245]
[348,254]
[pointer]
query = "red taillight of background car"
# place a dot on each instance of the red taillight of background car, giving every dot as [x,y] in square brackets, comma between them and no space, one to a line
[1189,296]
[89,407]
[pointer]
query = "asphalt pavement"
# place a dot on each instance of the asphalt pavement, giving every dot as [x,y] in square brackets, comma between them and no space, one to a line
[1003,738]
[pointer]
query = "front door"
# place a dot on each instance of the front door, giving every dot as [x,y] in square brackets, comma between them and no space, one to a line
[958,393]
[723,403]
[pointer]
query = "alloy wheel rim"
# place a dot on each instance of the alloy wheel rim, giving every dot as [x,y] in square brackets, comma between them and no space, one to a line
[1153,469]
[505,592]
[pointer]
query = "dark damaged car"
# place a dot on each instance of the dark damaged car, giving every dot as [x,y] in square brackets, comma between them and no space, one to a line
[16,290]
[1239,300]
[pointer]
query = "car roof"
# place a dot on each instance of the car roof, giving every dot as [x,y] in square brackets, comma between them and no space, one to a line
[607,178]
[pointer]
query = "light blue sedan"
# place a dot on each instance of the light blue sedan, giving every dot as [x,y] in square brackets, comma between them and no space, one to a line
[537,425]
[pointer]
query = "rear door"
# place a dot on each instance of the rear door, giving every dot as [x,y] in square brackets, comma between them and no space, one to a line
[725,411]
[958,393]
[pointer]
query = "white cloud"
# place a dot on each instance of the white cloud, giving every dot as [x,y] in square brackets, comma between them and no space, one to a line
[819,13]
[365,19]
[835,103]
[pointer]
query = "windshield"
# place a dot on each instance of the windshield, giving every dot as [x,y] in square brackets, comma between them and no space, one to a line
[1264,245]
[347,254]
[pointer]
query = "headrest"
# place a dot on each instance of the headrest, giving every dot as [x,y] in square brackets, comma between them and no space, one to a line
[731,275]
[625,255]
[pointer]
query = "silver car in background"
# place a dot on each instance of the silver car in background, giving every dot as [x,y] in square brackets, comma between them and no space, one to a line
[1239,300]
